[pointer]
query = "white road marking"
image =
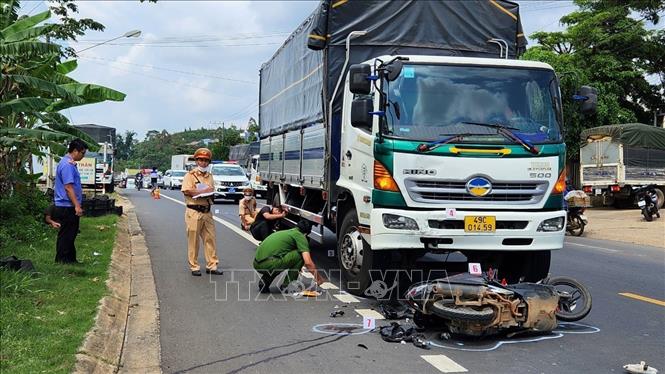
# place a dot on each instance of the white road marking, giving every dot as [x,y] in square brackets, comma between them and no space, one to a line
[346,298]
[593,246]
[228,225]
[369,313]
[444,364]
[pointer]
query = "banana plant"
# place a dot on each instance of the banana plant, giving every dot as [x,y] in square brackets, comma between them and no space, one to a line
[34,87]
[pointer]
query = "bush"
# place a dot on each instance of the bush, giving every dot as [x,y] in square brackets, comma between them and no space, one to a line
[22,218]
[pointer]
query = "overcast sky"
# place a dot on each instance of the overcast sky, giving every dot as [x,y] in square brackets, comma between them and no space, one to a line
[196,63]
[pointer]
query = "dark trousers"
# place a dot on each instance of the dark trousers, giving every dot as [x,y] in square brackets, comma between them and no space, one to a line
[260,230]
[65,251]
[271,267]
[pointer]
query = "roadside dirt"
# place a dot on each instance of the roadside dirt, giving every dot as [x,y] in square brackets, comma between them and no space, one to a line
[625,225]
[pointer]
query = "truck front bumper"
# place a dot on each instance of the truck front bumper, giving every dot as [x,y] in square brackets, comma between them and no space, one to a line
[441,230]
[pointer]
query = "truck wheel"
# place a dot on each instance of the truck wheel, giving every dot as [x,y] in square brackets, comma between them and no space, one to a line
[530,265]
[355,256]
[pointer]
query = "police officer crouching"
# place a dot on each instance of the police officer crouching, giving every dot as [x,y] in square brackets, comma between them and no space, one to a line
[198,217]
[286,250]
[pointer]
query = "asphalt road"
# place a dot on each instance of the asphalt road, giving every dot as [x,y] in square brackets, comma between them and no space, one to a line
[221,324]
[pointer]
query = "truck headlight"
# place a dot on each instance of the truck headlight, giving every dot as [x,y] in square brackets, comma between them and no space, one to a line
[393,221]
[552,224]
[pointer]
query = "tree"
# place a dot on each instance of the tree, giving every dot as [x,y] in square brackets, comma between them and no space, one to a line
[253,129]
[604,47]
[124,146]
[34,87]
[151,134]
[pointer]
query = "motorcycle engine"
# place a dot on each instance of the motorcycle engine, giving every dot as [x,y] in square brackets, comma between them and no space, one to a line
[542,302]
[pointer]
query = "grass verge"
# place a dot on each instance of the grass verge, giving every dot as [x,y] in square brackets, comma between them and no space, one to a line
[44,317]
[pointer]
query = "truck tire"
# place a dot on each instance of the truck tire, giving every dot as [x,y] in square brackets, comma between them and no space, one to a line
[530,265]
[356,258]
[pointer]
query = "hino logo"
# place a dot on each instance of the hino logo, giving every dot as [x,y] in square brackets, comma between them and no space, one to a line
[420,171]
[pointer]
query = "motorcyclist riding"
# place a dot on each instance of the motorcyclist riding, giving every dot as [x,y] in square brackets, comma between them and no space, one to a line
[138,179]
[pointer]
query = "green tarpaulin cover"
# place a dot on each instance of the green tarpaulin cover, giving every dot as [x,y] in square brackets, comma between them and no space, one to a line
[630,134]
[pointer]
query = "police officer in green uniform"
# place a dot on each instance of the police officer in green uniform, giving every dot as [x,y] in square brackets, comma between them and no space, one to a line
[285,250]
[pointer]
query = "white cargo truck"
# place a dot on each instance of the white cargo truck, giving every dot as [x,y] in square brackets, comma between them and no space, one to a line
[408,127]
[618,159]
[182,162]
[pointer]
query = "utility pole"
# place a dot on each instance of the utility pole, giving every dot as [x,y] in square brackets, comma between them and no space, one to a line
[218,123]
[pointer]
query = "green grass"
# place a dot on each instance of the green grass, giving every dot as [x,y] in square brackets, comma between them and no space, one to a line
[44,317]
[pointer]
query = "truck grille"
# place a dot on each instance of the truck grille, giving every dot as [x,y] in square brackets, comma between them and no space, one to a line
[441,191]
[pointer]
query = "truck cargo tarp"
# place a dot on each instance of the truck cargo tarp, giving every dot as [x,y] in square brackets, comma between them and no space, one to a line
[101,134]
[243,152]
[629,134]
[297,81]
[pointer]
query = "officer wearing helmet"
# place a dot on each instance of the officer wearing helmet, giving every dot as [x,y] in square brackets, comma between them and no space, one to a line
[198,217]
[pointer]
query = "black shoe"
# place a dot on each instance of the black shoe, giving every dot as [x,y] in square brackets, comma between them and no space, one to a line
[216,272]
[196,273]
[264,284]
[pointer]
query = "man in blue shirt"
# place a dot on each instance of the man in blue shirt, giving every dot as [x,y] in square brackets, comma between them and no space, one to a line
[68,196]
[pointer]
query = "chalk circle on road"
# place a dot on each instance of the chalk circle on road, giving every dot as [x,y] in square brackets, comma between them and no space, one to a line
[490,344]
[341,329]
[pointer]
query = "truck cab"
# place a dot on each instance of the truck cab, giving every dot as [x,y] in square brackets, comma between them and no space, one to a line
[454,154]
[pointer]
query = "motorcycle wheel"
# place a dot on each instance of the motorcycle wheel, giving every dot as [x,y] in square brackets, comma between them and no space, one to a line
[452,312]
[576,226]
[647,214]
[578,305]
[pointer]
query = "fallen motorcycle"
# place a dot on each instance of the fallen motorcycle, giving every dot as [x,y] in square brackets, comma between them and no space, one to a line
[478,306]
[647,201]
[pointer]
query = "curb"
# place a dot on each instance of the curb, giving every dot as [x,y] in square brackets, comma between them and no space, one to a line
[125,336]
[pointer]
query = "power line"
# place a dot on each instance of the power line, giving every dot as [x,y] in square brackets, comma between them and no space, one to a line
[166,80]
[201,39]
[35,7]
[193,46]
[168,69]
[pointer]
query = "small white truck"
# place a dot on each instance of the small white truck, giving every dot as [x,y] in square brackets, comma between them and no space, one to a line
[616,160]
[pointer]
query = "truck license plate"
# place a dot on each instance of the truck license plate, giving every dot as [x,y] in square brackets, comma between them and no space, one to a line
[479,224]
[232,190]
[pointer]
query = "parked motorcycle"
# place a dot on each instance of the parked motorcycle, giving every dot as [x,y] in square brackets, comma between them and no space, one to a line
[576,221]
[478,306]
[647,201]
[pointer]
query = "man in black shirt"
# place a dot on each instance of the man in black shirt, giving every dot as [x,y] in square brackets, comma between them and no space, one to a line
[264,224]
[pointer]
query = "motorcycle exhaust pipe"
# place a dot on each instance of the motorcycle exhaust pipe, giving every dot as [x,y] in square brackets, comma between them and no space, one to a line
[464,291]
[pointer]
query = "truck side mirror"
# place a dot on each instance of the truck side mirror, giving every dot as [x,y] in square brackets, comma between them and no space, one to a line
[589,98]
[393,70]
[358,82]
[360,113]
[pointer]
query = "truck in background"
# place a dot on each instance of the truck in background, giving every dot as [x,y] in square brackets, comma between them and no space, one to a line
[182,162]
[431,138]
[104,158]
[247,156]
[616,160]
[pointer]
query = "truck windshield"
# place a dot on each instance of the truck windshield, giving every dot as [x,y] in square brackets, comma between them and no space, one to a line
[227,170]
[427,102]
[178,174]
[99,157]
